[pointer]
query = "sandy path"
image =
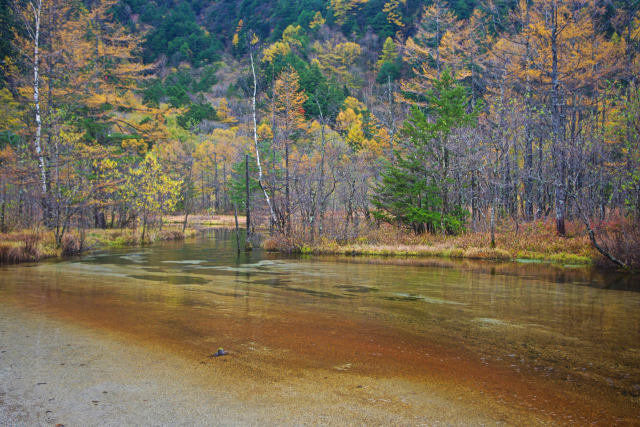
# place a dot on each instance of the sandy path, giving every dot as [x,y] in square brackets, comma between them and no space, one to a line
[53,372]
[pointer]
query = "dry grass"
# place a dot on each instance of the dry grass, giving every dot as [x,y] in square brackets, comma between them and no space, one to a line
[70,244]
[126,237]
[26,246]
[29,246]
[200,221]
[165,235]
[537,240]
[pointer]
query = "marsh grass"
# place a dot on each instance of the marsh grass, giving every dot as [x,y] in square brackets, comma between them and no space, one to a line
[536,241]
[30,246]
[199,221]
[26,246]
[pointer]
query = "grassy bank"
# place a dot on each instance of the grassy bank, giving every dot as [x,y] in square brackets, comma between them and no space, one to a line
[34,245]
[31,246]
[535,241]
[203,221]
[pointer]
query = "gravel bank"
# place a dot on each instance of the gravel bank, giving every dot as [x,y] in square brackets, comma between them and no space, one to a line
[52,372]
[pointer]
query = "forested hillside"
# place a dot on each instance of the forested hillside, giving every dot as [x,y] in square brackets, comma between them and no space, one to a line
[435,117]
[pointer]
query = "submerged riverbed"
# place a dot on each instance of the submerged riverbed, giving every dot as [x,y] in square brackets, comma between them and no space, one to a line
[363,339]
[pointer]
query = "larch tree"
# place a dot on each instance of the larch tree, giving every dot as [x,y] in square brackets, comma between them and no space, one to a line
[335,59]
[342,8]
[150,190]
[435,22]
[289,118]
[394,15]
[559,53]
[424,51]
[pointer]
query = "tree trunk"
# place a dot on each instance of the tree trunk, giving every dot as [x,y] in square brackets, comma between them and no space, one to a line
[144,224]
[201,190]
[321,184]
[528,181]
[216,204]
[474,201]
[392,118]
[3,225]
[558,131]
[494,203]
[287,202]
[235,215]
[186,218]
[528,144]
[37,10]
[99,219]
[444,210]
[224,185]
[255,140]
[247,245]
[187,197]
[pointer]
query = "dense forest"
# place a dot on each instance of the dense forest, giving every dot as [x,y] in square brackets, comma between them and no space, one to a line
[323,119]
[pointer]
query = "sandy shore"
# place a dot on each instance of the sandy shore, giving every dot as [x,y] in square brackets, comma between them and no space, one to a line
[52,372]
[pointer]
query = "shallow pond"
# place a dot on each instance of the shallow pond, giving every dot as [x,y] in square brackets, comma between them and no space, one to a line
[561,342]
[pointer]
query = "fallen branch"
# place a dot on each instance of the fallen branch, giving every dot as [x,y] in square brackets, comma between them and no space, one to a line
[604,252]
[592,237]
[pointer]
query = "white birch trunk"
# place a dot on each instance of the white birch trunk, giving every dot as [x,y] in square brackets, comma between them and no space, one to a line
[37,9]
[255,139]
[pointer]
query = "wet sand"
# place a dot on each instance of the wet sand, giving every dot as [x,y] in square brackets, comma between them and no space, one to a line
[55,373]
[292,367]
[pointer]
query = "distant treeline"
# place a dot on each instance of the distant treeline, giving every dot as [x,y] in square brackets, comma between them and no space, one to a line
[436,118]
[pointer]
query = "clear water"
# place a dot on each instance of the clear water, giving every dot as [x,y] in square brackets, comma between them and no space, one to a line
[569,337]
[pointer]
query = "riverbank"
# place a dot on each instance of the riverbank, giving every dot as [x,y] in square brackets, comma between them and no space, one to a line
[35,245]
[536,241]
[533,242]
[204,221]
